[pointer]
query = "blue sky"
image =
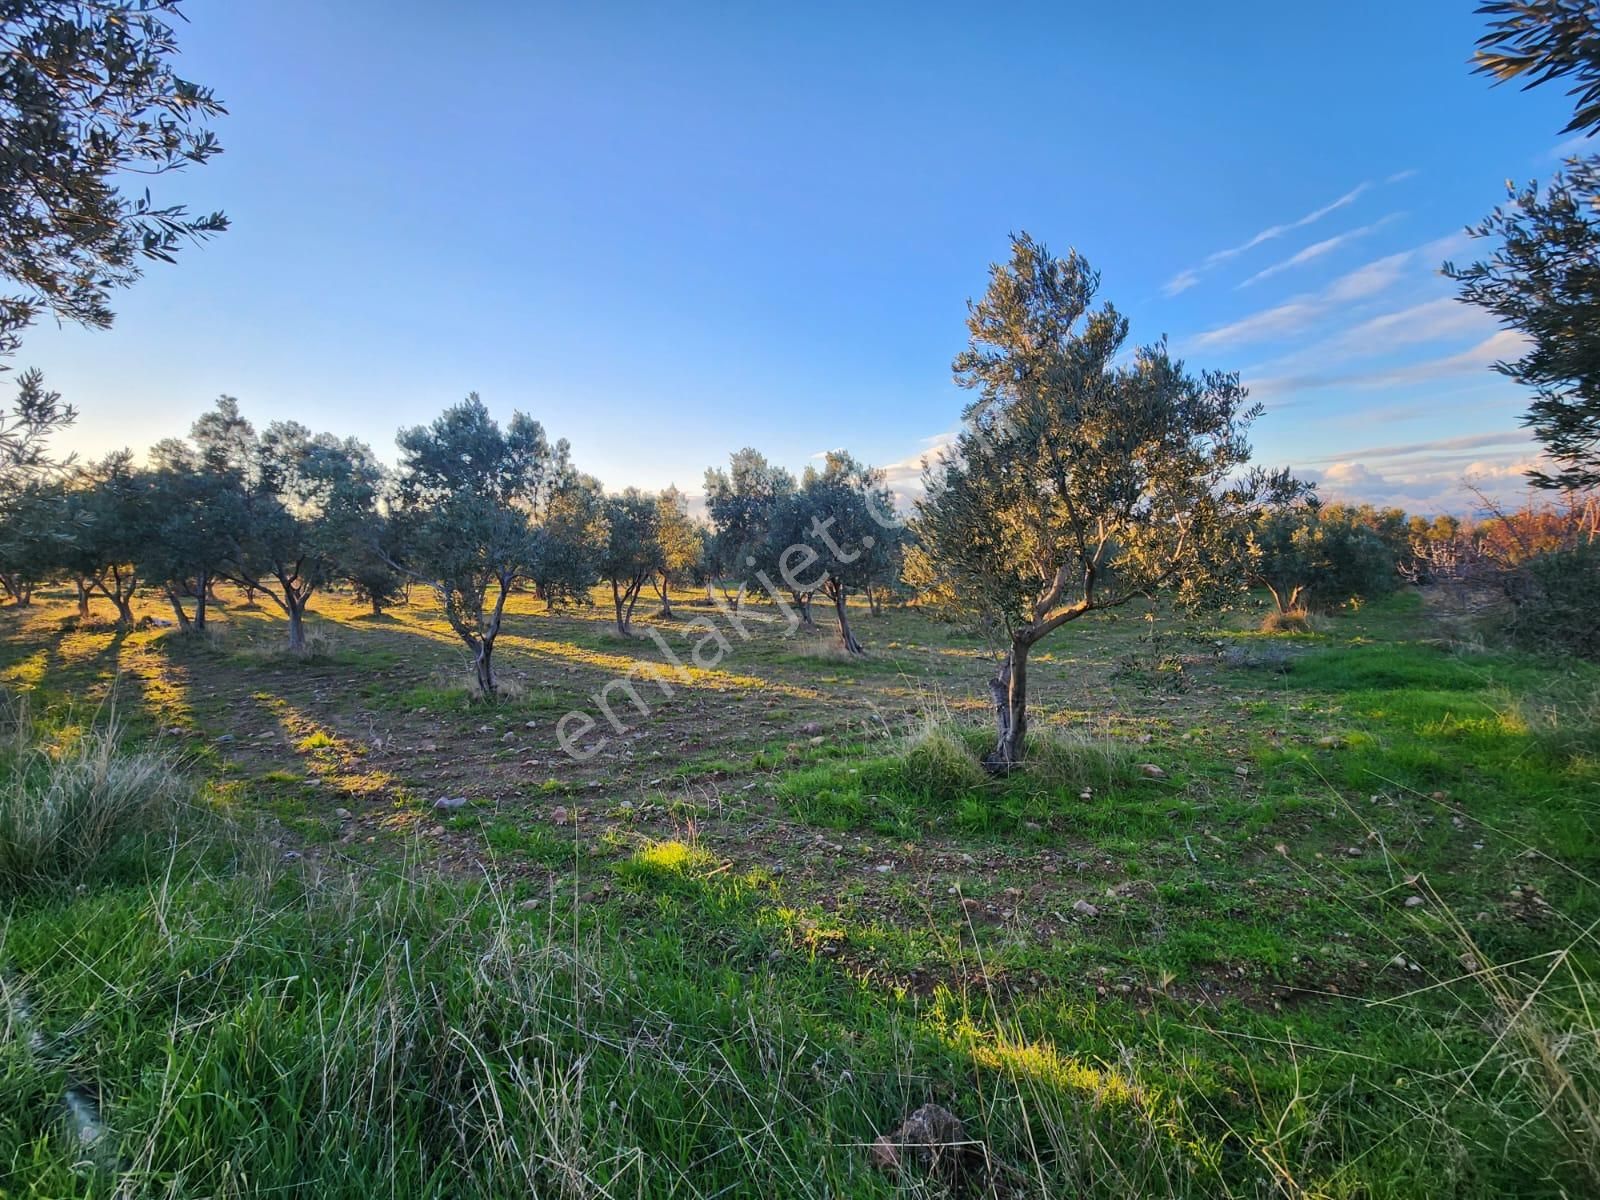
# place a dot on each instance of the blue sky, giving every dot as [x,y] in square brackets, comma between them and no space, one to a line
[670,231]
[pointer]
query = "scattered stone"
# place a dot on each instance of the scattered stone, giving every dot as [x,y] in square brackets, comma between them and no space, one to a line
[343,814]
[1241,772]
[531,725]
[558,815]
[1146,738]
[1151,771]
[971,905]
[932,1139]
[1332,742]
[1414,902]
[817,741]
[450,803]
[508,736]
[810,728]
[223,739]
[529,905]
[1084,908]
[428,747]
[290,855]
[1354,852]
[883,868]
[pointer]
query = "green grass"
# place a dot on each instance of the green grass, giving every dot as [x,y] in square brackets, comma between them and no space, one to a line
[764,930]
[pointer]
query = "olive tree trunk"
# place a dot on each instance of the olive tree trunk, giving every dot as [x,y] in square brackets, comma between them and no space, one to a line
[1009,688]
[838,593]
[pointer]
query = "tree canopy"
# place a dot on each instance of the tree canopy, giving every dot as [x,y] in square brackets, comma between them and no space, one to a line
[88,97]
[1080,480]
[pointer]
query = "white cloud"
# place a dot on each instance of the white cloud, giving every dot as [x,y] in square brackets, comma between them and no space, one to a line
[1181,282]
[1317,249]
[1580,143]
[1427,477]
[1184,280]
[1402,176]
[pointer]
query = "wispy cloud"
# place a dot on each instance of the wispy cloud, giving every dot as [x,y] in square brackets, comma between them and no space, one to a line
[1474,441]
[1578,144]
[1402,176]
[1501,345]
[1184,280]
[1317,249]
[1303,310]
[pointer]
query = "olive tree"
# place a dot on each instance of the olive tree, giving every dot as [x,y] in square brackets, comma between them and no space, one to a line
[105,527]
[1307,555]
[742,503]
[845,539]
[632,555]
[196,519]
[469,495]
[682,545]
[1079,481]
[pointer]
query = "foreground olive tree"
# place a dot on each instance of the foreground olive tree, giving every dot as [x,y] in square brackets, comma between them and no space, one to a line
[1078,482]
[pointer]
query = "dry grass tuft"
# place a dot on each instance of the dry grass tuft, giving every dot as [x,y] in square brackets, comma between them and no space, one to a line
[72,810]
[1295,620]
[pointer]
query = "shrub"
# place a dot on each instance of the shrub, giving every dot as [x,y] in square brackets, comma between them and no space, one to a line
[1556,602]
[75,813]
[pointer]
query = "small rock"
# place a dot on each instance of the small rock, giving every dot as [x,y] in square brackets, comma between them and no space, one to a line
[883,868]
[1332,742]
[450,803]
[223,739]
[1241,772]
[1354,852]
[1085,908]
[1414,902]
[530,725]
[1151,771]
[817,741]
[343,814]
[508,736]
[810,728]
[1145,739]
[558,815]
[970,905]
[290,855]
[529,904]
[932,1139]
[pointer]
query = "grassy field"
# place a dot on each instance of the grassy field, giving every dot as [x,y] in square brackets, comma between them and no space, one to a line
[1266,915]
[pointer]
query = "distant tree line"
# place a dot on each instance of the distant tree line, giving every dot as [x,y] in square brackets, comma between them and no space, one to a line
[474,510]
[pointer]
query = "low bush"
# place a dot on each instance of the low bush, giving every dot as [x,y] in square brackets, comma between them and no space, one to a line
[1556,602]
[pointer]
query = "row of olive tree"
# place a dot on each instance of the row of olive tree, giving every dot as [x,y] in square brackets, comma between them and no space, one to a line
[474,510]
[836,531]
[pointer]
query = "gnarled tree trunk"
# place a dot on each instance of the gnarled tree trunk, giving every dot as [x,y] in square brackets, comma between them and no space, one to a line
[1009,688]
[177,608]
[837,592]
